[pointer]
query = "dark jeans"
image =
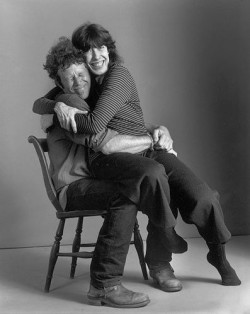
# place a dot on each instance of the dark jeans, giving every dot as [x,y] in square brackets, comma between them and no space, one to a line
[114,237]
[142,180]
[153,181]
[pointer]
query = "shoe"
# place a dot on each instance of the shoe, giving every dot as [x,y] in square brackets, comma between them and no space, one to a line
[117,296]
[174,243]
[166,279]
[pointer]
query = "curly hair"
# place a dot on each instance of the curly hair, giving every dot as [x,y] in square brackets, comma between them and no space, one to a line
[91,35]
[61,56]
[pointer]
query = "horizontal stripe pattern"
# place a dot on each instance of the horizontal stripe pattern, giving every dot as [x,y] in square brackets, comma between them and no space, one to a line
[117,108]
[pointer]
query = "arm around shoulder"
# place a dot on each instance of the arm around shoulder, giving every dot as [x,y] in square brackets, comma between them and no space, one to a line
[46,104]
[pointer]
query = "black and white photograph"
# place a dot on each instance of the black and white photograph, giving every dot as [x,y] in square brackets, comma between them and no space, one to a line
[125,156]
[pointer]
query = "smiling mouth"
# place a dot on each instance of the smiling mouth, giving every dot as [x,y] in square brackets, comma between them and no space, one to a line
[97,65]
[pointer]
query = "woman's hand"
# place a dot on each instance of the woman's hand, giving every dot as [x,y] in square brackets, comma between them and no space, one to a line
[66,116]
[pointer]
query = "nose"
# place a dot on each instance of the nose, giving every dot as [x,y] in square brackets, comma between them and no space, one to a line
[78,80]
[95,53]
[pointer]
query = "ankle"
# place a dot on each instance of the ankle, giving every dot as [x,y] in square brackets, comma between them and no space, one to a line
[217,258]
[153,268]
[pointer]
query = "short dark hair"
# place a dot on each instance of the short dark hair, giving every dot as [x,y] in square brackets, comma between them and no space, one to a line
[91,35]
[61,56]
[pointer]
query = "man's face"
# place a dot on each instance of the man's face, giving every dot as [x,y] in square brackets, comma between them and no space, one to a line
[76,80]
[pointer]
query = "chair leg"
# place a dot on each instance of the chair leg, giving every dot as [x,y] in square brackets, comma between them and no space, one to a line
[54,254]
[76,246]
[139,248]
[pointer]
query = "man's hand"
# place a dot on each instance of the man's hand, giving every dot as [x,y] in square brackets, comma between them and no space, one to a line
[66,116]
[162,139]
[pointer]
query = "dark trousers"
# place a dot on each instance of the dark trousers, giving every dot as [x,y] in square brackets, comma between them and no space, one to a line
[114,237]
[158,182]
[143,180]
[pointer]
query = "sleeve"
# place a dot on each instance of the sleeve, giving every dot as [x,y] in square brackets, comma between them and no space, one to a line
[74,101]
[115,92]
[46,104]
[46,121]
[95,142]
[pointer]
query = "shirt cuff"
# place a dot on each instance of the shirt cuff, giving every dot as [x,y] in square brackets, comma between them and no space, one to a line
[109,134]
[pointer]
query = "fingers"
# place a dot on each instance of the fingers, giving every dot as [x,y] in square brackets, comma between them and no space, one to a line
[65,121]
[62,120]
[66,116]
[155,135]
[171,151]
[162,139]
[169,146]
[164,142]
[73,125]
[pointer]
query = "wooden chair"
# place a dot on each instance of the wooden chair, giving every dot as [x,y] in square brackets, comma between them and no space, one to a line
[41,148]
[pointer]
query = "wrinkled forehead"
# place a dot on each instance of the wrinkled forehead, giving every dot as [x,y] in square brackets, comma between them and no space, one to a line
[73,68]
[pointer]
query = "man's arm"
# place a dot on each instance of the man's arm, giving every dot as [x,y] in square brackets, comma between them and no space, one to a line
[66,116]
[127,144]
[160,134]
[46,104]
[106,142]
[55,101]
[109,141]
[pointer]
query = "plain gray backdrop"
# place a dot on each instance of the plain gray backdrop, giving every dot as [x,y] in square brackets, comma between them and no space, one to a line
[190,60]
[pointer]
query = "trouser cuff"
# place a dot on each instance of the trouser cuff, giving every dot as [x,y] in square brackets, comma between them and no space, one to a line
[100,284]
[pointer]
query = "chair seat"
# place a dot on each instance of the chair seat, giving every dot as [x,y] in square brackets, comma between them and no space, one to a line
[80,213]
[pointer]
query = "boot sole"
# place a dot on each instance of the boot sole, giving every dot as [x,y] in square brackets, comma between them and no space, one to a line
[173,289]
[105,302]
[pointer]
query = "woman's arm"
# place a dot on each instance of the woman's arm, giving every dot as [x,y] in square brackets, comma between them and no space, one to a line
[116,92]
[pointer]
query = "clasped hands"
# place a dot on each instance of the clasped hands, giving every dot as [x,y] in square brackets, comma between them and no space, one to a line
[163,140]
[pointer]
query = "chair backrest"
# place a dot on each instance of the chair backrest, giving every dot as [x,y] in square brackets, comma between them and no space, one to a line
[41,147]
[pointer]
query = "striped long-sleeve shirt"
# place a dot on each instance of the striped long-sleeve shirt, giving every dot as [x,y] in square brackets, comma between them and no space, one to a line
[117,107]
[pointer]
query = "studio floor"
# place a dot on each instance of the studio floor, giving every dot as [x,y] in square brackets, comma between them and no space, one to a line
[22,275]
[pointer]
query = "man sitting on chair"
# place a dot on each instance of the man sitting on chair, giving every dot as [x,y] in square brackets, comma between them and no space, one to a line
[148,181]
[77,190]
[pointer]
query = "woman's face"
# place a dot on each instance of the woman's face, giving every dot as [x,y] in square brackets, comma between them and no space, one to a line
[98,60]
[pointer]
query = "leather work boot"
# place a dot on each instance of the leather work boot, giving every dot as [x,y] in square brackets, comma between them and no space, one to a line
[117,296]
[165,279]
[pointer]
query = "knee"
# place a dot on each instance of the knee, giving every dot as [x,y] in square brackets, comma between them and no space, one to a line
[209,199]
[151,170]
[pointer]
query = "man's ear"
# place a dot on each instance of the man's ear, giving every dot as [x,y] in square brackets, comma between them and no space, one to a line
[58,83]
